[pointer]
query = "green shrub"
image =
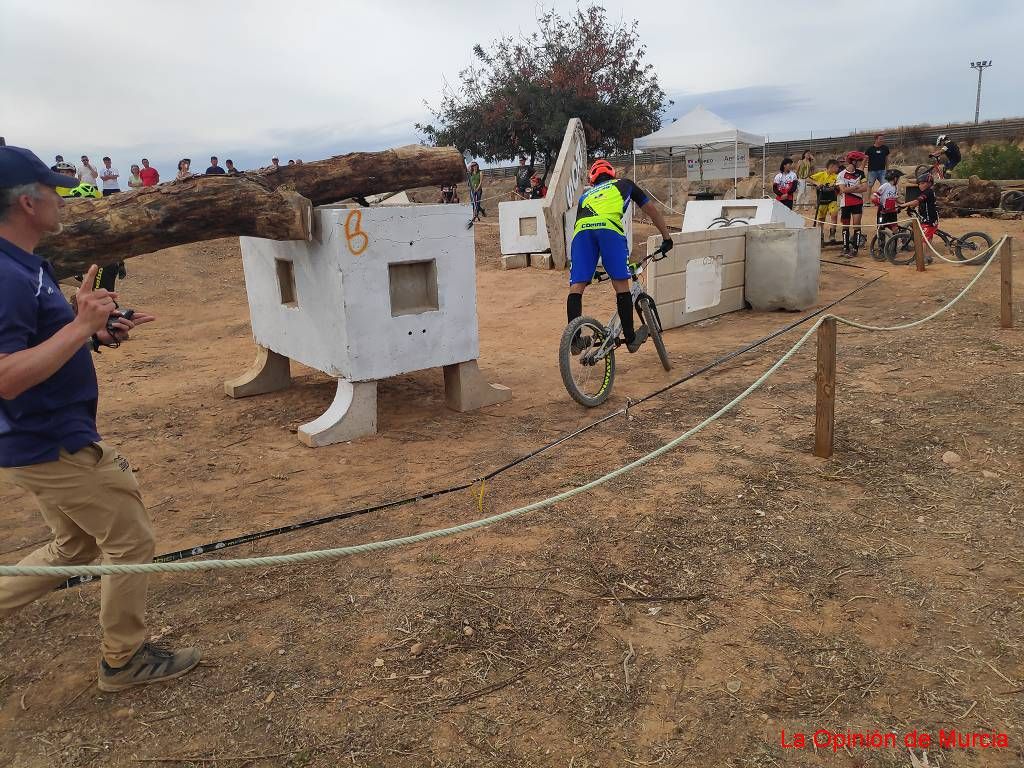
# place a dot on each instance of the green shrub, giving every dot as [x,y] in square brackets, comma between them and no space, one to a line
[993,161]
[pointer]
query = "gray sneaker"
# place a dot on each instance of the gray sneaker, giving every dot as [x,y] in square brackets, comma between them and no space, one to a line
[641,336]
[150,664]
[580,343]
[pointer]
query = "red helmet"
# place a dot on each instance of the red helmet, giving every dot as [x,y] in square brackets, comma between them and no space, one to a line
[601,167]
[855,155]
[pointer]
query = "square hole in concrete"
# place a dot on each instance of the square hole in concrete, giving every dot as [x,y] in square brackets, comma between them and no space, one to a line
[528,225]
[413,286]
[286,282]
[739,211]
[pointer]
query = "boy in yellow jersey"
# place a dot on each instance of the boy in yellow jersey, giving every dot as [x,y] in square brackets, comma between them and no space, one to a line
[599,233]
[828,206]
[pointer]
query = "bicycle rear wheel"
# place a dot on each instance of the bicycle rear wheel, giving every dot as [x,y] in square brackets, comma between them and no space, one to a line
[588,381]
[899,248]
[654,328]
[973,248]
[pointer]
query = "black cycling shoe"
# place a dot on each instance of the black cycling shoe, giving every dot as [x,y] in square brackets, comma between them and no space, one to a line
[641,336]
[580,343]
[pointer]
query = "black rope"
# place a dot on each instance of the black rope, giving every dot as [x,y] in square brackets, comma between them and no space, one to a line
[216,546]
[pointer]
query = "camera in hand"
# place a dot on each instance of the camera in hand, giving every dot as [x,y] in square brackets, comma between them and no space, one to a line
[116,315]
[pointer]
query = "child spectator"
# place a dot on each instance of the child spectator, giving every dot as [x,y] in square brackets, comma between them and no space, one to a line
[827,206]
[785,183]
[537,190]
[851,186]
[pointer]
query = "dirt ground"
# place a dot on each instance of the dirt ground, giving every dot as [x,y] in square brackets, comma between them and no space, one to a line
[687,615]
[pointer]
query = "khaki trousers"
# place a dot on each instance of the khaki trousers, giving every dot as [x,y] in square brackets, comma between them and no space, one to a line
[91,502]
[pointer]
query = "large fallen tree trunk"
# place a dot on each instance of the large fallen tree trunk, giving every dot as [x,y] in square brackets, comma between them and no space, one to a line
[271,203]
[367,173]
[117,227]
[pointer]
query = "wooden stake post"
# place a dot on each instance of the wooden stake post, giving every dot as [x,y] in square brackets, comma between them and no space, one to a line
[825,404]
[918,244]
[1006,284]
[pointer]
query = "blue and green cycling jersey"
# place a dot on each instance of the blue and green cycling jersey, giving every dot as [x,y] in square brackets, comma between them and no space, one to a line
[603,206]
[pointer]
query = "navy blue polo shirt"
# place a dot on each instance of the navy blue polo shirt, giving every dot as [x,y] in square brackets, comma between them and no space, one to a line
[61,411]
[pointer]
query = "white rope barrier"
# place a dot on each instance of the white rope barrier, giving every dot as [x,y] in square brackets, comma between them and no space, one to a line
[340,552]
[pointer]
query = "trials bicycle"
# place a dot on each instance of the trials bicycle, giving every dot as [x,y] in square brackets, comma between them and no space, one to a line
[970,248]
[586,353]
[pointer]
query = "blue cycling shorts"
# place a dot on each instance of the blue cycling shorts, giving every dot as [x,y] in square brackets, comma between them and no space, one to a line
[590,244]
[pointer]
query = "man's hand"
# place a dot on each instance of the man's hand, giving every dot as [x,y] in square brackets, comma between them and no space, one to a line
[666,245]
[121,326]
[94,306]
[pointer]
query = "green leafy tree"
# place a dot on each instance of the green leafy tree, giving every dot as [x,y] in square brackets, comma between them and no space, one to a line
[993,161]
[520,92]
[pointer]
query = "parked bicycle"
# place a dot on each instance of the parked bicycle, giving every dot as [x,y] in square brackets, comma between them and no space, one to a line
[586,353]
[970,248]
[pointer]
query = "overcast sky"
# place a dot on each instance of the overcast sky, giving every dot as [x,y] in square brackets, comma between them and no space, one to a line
[311,78]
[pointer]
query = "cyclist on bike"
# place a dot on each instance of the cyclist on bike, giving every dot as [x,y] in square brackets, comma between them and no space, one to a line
[948,148]
[852,186]
[886,197]
[599,233]
[927,211]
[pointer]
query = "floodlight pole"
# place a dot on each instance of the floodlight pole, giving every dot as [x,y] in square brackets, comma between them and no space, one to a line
[981,66]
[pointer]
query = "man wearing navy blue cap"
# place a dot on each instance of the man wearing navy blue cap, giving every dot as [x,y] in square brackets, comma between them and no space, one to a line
[49,445]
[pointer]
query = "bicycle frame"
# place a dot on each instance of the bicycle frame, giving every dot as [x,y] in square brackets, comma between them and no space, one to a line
[614,326]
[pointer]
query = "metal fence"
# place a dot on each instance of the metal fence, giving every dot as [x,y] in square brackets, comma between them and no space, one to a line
[912,136]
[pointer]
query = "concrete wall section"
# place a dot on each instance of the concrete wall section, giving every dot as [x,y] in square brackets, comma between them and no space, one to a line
[522,227]
[713,284]
[564,186]
[783,267]
[342,320]
[702,214]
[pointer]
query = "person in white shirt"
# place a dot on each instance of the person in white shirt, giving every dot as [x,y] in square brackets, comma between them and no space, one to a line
[109,176]
[785,183]
[87,173]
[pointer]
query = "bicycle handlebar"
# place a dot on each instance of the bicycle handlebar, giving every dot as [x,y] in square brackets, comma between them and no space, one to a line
[635,268]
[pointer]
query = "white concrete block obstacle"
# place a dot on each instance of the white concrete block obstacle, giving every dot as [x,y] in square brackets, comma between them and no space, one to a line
[378,292]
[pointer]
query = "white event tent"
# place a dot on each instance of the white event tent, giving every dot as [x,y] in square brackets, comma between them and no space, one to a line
[698,130]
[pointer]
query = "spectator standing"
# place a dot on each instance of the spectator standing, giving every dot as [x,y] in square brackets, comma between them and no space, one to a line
[476,190]
[523,174]
[785,183]
[50,446]
[184,172]
[135,181]
[150,176]
[449,194]
[804,168]
[827,209]
[110,176]
[878,161]
[538,190]
[57,161]
[851,186]
[232,171]
[87,173]
[275,163]
[214,169]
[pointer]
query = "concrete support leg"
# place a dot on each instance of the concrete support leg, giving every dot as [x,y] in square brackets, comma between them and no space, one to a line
[353,414]
[465,388]
[269,373]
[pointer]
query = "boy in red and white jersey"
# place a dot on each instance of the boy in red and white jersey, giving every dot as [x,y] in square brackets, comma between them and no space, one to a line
[851,185]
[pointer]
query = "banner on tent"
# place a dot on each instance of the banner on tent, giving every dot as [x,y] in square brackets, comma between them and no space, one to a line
[719,163]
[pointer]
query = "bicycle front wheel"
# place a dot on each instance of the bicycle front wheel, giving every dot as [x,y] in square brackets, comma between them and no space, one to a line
[973,248]
[899,248]
[654,328]
[587,373]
